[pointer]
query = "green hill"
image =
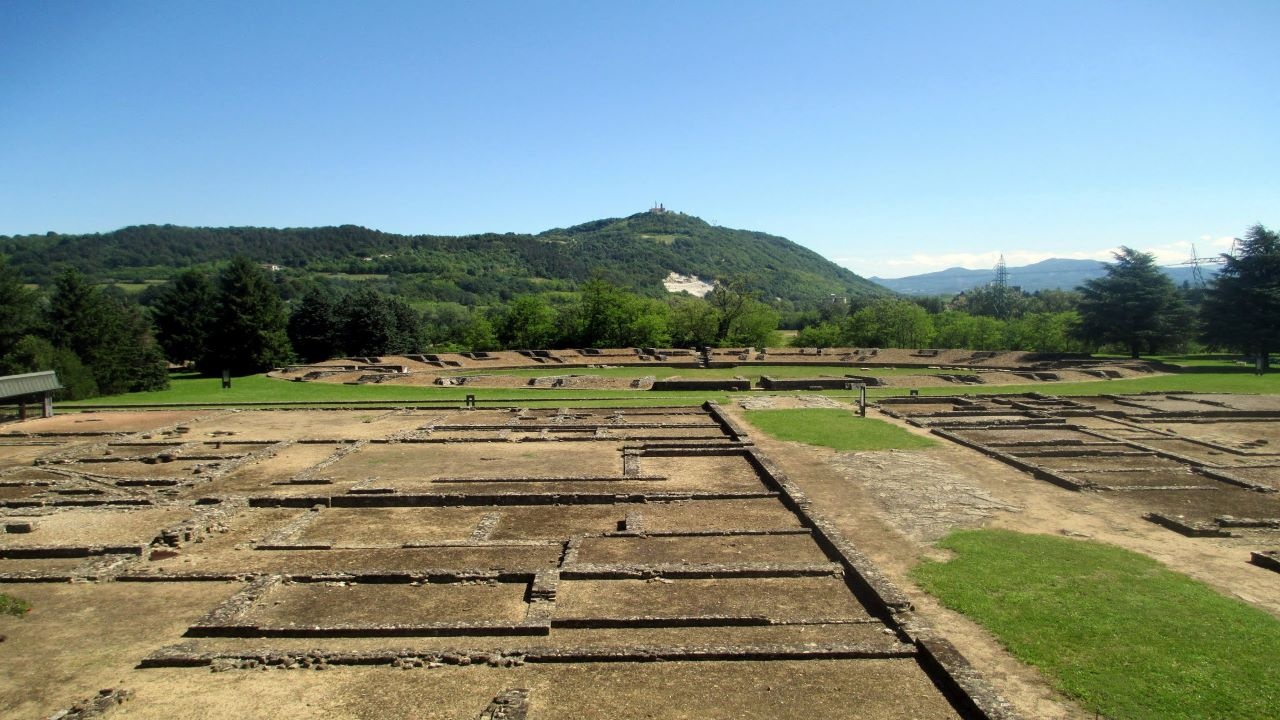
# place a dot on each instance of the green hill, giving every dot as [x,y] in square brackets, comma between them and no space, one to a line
[636,252]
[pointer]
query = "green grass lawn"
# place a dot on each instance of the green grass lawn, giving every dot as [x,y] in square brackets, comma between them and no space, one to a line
[10,605]
[192,389]
[1113,629]
[836,429]
[188,388]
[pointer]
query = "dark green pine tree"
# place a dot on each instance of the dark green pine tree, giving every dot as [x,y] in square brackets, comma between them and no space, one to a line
[248,333]
[370,326]
[19,309]
[1134,305]
[183,314]
[1242,307]
[128,359]
[379,324]
[76,316]
[108,333]
[317,325]
[408,327]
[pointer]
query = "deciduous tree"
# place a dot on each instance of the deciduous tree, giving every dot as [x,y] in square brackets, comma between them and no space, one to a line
[527,323]
[889,323]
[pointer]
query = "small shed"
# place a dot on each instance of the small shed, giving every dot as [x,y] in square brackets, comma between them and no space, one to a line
[30,388]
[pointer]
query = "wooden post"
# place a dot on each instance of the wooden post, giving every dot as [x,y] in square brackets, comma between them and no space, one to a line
[47,410]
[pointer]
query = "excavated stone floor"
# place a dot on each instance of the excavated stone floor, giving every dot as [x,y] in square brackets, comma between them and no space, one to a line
[494,563]
[1201,465]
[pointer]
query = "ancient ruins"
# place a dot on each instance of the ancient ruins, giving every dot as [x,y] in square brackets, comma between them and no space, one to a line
[833,368]
[462,563]
[1202,465]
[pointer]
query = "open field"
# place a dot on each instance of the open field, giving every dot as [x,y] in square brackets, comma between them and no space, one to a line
[191,389]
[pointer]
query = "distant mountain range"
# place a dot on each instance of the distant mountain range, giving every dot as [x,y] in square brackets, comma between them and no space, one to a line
[1055,273]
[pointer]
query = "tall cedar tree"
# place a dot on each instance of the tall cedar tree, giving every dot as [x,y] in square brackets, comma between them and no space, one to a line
[183,314]
[1134,305]
[1242,307]
[248,333]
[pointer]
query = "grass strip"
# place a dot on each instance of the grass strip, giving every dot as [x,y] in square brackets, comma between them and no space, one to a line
[836,429]
[1117,631]
[10,605]
[192,389]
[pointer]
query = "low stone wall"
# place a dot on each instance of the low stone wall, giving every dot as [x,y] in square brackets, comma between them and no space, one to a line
[702,385]
[848,382]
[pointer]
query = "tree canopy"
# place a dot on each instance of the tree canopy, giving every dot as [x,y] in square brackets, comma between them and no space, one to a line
[183,314]
[1134,305]
[248,332]
[1242,306]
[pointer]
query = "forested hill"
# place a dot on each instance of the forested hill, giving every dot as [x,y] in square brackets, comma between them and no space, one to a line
[637,252]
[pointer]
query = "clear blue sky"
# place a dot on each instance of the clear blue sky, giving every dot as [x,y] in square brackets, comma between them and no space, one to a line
[893,137]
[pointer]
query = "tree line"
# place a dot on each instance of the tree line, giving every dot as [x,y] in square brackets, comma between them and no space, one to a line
[1134,309]
[97,339]
[244,318]
[238,321]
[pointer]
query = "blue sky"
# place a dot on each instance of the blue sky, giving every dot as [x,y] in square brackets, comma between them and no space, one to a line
[892,137]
